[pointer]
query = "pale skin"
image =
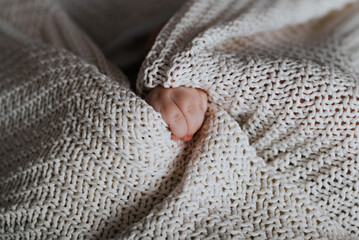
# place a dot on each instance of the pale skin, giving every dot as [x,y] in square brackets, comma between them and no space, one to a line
[182,108]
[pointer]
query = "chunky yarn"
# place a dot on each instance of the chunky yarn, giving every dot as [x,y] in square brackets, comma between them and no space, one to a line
[83,157]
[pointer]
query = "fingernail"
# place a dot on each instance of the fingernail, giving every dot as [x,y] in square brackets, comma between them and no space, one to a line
[174,138]
[187,138]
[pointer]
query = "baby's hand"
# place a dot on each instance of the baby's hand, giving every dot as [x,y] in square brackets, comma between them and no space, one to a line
[182,109]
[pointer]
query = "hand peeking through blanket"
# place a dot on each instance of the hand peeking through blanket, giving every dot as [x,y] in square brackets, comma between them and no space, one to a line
[182,109]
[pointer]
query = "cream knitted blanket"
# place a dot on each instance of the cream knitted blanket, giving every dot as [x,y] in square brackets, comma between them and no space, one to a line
[83,157]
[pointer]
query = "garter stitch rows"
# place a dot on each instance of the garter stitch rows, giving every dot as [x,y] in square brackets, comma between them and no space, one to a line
[82,157]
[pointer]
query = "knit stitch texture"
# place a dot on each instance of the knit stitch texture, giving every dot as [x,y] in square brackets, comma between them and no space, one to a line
[83,157]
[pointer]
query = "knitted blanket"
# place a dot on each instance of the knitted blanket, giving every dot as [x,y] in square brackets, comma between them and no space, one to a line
[84,157]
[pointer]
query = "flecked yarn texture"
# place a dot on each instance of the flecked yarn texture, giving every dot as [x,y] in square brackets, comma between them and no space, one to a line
[83,157]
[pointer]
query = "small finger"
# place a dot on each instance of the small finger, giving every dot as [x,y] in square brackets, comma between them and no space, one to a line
[174,138]
[174,118]
[187,138]
[190,106]
[153,99]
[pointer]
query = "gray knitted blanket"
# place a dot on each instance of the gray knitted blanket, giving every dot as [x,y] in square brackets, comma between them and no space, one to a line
[84,157]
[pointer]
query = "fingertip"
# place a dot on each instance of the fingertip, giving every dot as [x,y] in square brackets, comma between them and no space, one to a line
[174,138]
[188,138]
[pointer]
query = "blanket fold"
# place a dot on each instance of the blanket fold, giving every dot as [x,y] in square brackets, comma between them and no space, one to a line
[83,157]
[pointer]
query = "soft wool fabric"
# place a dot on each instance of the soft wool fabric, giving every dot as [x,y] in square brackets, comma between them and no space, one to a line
[83,157]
